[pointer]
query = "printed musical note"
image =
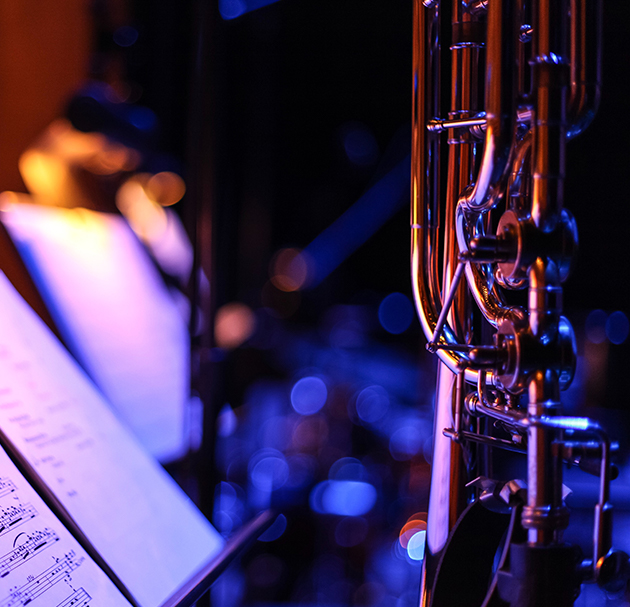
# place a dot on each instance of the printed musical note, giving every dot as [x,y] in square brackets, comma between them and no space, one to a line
[80,437]
[15,515]
[78,598]
[68,432]
[34,588]
[6,486]
[25,546]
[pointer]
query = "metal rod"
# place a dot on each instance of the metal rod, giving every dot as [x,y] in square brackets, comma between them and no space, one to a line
[500,111]
[439,126]
[501,443]
[425,180]
[448,301]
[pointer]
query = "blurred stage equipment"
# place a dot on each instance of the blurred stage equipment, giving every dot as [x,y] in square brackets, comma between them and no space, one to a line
[502,225]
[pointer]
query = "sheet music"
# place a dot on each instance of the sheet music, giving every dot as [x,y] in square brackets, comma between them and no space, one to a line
[115,314]
[41,564]
[143,525]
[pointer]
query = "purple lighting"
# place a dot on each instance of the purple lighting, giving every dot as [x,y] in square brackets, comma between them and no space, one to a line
[231,9]
[405,443]
[277,528]
[359,144]
[395,313]
[268,469]
[372,404]
[309,395]
[617,327]
[343,498]
[595,326]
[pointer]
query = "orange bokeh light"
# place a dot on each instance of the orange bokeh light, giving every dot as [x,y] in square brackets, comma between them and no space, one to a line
[166,188]
[289,270]
[234,324]
[415,523]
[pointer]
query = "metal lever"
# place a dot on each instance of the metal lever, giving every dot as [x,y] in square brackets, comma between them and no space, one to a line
[448,302]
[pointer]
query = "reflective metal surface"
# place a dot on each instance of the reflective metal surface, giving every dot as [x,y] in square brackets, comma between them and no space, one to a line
[524,79]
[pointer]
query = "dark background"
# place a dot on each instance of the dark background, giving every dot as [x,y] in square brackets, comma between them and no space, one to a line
[284,79]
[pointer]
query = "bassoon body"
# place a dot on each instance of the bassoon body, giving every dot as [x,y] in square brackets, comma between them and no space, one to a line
[500,87]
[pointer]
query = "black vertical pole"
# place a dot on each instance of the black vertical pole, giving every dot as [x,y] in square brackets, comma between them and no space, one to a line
[203,220]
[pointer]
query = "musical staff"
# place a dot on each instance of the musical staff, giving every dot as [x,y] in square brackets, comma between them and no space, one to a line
[6,486]
[15,515]
[27,547]
[78,598]
[37,586]
[58,443]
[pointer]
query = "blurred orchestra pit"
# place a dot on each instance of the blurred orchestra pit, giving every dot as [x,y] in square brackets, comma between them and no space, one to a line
[252,157]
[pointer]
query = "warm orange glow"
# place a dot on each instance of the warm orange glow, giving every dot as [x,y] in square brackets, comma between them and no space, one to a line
[415,523]
[146,218]
[157,227]
[289,270]
[112,158]
[418,516]
[45,175]
[47,167]
[79,230]
[234,324]
[7,199]
[166,188]
[61,137]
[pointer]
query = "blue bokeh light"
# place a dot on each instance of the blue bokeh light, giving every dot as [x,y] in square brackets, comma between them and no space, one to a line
[268,469]
[395,313]
[347,325]
[275,433]
[231,9]
[228,507]
[347,469]
[126,36]
[415,547]
[308,395]
[359,144]
[385,567]
[372,404]
[142,118]
[225,496]
[405,443]
[595,326]
[226,421]
[617,327]
[301,470]
[343,498]
[278,527]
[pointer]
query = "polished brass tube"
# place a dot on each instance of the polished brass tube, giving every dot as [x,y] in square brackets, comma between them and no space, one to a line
[541,480]
[500,110]
[586,64]
[425,211]
[550,75]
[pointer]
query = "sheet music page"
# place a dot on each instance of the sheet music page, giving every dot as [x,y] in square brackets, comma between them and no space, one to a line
[135,515]
[115,314]
[41,564]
